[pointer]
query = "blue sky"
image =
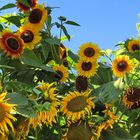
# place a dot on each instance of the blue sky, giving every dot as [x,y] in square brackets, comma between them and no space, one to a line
[105,22]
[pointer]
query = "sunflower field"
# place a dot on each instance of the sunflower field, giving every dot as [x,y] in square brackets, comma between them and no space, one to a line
[48,92]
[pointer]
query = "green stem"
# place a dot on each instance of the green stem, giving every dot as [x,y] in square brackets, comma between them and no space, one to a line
[61,30]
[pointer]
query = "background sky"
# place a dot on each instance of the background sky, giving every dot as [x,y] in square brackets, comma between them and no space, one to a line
[105,22]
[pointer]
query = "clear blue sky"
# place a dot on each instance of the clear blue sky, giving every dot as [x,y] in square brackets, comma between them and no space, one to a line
[105,22]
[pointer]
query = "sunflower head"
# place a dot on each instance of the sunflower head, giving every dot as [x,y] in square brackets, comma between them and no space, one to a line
[5,117]
[81,83]
[29,35]
[62,52]
[131,98]
[25,8]
[79,131]
[47,115]
[86,69]
[61,73]
[89,52]
[12,44]
[133,45]
[76,105]
[122,65]
[37,17]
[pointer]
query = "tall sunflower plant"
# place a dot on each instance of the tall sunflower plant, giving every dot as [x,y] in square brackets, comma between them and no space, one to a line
[48,92]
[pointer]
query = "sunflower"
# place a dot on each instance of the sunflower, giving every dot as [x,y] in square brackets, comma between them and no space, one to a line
[89,52]
[25,8]
[61,72]
[29,35]
[5,117]
[122,65]
[37,17]
[62,52]
[131,98]
[79,131]
[109,121]
[76,105]
[46,116]
[133,45]
[3,137]
[81,83]
[86,69]
[11,44]
[22,129]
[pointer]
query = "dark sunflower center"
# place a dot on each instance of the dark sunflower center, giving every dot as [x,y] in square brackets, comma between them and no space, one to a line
[133,95]
[77,104]
[58,75]
[2,113]
[135,47]
[31,2]
[81,83]
[86,66]
[35,16]
[122,65]
[12,44]
[79,131]
[89,52]
[27,36]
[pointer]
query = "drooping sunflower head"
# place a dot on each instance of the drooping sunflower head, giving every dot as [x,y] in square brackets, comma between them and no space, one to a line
[22,129]
[79,131]
[81,83]
[12,44]
[76,105]
[89,52]
[86,69]
[37,17]
[46,115]
[61,73]
[122,65]
[133,45]
[62,52]
[131,98]
[5,117]
[25,8]
[29,35]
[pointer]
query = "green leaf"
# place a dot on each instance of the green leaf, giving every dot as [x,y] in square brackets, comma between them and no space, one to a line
[26,111]
[1,27]
[14,19]
[53,41]
[65,32]
[108,93]
[74,57]
[72,23]
[7,6]
[18,99]
[103,75]
[29,58]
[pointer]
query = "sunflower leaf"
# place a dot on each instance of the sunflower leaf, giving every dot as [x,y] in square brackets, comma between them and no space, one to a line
[7,6]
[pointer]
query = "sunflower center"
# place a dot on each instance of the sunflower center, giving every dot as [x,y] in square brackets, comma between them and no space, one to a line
[35,16]
[58,75]
[79,131]
[27,36]
[31,2]
[86,66]
[12,44]
[133,95]
[122,65]
[81,83]
[2,113]
[77,104]
[135,47]
[89,52]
